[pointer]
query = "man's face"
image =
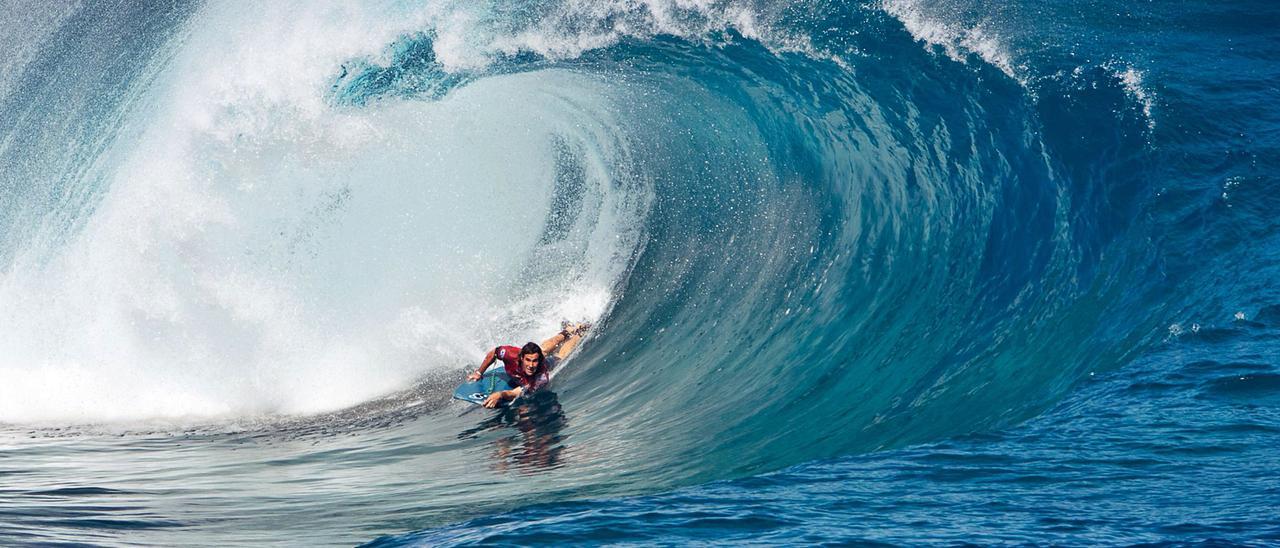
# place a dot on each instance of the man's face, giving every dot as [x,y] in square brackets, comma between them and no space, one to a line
[529,363]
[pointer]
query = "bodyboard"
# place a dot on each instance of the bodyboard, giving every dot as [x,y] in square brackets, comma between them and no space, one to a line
[476,392]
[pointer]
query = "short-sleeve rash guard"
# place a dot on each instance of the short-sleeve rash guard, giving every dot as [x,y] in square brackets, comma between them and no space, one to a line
[510,356]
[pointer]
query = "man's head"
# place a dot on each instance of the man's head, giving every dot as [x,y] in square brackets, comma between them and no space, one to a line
[531,359]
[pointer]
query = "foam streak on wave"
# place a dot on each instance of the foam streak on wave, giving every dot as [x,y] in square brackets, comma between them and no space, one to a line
[955,39]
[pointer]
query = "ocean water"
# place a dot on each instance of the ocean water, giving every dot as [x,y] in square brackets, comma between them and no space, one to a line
[895,272]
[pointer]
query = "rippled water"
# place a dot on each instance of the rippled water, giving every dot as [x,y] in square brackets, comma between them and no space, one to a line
[1173,449]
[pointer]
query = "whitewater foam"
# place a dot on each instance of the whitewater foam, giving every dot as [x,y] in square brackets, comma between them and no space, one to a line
[261,251]
[1133,81]
[955,40]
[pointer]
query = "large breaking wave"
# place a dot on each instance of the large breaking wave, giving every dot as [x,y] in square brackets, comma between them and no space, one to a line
[803,230]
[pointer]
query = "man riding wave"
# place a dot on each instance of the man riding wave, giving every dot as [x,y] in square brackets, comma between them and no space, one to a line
[529,366]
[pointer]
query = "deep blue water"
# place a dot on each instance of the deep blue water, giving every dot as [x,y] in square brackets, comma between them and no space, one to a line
[895,272]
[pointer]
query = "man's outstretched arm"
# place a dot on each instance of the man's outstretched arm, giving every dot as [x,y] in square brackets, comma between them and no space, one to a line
[497,397]
[488,360]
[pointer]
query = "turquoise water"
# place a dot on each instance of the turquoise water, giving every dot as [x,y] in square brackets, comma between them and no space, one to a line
[892,272]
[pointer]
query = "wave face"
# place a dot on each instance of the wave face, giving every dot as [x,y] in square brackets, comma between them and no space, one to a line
[803,230]
[791,213]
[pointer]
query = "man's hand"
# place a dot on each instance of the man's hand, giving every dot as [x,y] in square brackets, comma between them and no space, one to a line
[474,376]
[493,400]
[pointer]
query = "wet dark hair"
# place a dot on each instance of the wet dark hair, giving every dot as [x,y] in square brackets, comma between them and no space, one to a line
[533,348]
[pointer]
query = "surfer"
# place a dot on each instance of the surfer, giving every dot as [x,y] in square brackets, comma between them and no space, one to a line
[528,366]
